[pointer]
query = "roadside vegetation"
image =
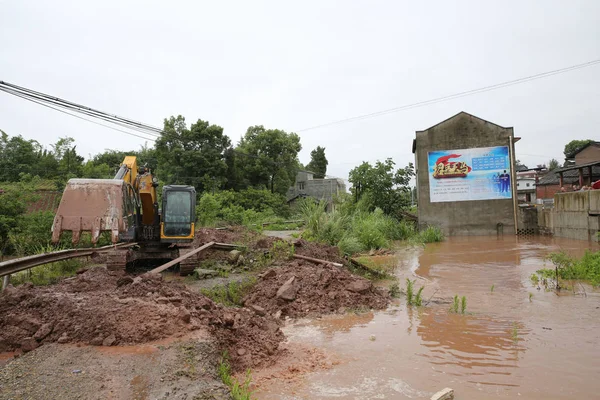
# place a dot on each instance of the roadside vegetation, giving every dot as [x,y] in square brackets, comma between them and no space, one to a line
[47,274]
[359,227]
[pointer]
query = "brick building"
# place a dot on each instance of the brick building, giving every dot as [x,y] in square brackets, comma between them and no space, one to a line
[583,172]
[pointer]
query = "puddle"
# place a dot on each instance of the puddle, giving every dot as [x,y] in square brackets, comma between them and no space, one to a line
[506,346]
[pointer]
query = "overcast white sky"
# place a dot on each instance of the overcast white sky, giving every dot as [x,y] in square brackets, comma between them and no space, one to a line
[293,65]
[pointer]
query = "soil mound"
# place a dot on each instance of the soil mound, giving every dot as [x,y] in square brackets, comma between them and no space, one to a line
[317,250]
[300,288]
[101,307]
[237,235]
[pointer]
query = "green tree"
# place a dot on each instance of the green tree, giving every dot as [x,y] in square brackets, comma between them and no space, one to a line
[70,164]
[269,158]
[574,145]
[97,171]
[193,156]
[12,206]
[110,158]
[17,156]
[318,162]
[387,188]
[553,164]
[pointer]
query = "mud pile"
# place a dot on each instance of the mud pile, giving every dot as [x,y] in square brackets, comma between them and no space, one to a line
[101,307]
[236,234]
[317,250]
[301,288]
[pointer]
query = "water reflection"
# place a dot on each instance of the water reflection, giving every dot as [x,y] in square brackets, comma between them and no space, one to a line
[470,341]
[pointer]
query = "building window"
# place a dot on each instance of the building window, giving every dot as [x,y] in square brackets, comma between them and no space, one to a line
[528,184]
[300,185]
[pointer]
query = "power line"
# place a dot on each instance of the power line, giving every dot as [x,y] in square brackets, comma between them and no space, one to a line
[74,115]
[456,95]
[78,107]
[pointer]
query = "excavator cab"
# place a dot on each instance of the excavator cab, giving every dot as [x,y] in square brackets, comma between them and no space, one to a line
[178,214]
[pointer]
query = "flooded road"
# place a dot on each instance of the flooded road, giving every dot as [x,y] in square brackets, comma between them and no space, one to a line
[514,341]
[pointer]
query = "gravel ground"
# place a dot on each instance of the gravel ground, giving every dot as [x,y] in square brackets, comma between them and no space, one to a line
[180,370]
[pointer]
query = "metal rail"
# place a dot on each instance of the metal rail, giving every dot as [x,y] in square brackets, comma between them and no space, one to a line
[21,264]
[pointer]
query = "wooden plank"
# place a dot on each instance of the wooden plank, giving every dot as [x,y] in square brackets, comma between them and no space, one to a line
[316,260]
[181,258]
[228,246]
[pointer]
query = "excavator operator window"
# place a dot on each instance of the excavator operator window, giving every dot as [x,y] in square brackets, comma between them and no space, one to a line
[177,215]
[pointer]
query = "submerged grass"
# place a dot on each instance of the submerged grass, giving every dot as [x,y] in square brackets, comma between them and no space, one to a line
[566,267]
[409,291]
[455,305]
[411,298]
[419,297]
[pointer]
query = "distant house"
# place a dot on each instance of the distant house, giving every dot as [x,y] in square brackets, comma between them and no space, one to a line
[586,154]
[584,170]
[526,182]
[307,185]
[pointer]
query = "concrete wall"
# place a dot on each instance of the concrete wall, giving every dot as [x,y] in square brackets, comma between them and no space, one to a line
[527,218]
[575,215]
[480,217]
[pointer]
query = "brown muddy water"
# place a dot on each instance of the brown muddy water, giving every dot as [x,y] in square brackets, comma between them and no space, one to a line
[508,345]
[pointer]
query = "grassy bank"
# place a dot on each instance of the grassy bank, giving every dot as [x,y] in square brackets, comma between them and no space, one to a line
[586,268]
[354,229]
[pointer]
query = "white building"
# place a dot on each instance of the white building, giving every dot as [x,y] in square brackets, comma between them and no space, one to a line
[526,186]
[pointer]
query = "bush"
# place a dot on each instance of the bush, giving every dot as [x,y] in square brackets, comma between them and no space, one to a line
[431,234]
[349,245]
[352,227]
[367,230]
[207,210]
[247,207]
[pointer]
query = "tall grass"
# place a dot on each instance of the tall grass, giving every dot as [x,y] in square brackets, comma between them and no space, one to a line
[352,229]
[431,234]
[47,274]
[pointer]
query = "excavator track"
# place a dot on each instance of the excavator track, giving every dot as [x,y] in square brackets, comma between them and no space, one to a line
[187,266]
[116,259]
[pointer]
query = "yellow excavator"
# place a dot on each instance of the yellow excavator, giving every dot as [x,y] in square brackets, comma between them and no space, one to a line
[127,207]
